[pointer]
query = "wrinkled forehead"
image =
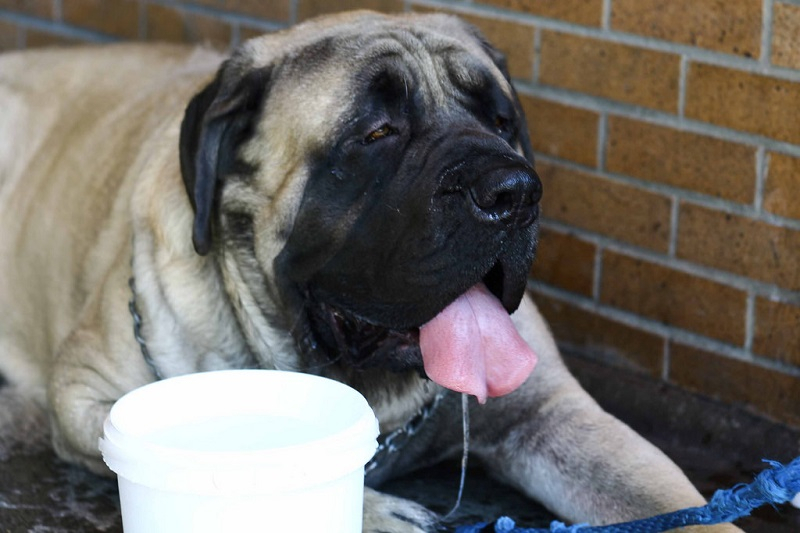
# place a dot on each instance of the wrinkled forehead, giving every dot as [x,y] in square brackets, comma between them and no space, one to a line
[336,57]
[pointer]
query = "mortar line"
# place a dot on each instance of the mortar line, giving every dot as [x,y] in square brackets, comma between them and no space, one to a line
[667,359]
[767,11]
[652,116]
[537,53]
[58,28]
[693,197]
[683,76]
[749,322]
[236,34]
[597,273]
[762,173]
[672,333]
[143,28]
[225,16]
[674,217]
[602,139]
[605,19]
[58,10]
[694,53]
[730,279]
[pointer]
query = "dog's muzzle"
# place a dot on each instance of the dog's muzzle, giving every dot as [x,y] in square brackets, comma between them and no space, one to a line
[501,188]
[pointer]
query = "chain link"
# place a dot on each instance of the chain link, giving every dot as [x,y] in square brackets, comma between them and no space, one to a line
[137,331]
[397,439]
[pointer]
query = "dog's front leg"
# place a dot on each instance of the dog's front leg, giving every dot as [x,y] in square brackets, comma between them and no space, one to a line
[586,466]
[554,443]
[95,365]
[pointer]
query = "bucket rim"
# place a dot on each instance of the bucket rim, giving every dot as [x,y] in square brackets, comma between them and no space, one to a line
[125,453]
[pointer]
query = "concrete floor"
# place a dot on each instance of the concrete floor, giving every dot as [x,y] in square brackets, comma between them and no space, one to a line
[717,445]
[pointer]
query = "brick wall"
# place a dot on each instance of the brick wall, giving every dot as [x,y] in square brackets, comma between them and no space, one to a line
[668,140]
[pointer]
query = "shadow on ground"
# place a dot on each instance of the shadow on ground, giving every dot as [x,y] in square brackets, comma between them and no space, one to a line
[717,446]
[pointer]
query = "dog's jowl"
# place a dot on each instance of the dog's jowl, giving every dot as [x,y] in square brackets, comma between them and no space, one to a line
[354,197]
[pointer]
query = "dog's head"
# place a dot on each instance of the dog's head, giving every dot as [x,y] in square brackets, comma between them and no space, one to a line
[371,174]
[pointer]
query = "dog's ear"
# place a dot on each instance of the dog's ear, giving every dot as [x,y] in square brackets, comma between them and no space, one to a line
[216,122]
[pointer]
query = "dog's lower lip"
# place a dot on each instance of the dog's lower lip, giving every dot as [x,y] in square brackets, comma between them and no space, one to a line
[359,342]
[342,319]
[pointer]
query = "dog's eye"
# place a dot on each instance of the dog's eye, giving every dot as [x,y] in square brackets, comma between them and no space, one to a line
[380,133]
[502,124]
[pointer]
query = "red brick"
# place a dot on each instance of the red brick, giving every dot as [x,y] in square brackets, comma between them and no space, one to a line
[785,31]
[767,391]
[732,26]
[681,159]
[610,70]
[562,131]
[119,18]
[777,331]
[586,12]
[595,204]
[9,36]
[673,297]
[36,39]
[740,245]
[782,186]
[37,8]
[743,101]
[564,261]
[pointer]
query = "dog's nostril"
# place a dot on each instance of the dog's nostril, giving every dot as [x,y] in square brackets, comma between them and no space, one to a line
[507,196]
[504,201]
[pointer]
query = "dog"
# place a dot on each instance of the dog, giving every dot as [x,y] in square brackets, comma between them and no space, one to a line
[354,197]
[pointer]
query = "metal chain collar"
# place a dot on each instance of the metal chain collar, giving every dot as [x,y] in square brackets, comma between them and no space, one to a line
[137,331]
[397,439]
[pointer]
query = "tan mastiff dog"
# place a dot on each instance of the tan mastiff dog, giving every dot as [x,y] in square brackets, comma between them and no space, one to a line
[353,198]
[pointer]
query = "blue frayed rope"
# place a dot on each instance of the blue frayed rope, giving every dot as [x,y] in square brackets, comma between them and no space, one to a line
[776,485]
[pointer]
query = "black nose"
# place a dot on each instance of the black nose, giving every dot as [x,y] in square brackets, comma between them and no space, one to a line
[507,195]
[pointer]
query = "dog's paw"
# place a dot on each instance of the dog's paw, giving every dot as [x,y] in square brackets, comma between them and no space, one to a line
[389,514]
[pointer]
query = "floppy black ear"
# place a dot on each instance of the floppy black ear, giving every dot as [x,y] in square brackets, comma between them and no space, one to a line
[216,122]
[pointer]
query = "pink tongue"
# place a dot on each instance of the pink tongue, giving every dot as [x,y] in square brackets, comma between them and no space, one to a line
[472,346]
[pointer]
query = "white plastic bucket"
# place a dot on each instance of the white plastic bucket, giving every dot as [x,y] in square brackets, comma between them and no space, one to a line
[240,451]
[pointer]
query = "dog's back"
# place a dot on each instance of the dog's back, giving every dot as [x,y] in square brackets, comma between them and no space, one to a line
[71,137]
